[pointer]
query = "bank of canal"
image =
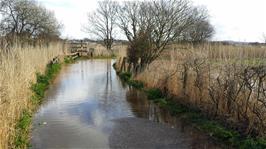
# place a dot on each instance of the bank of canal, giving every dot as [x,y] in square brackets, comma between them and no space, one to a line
[88,106]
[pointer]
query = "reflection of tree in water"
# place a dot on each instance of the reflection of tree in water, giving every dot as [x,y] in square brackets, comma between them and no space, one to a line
[144,108]
[107,90]
[108,85]
[138,103]
[108,75]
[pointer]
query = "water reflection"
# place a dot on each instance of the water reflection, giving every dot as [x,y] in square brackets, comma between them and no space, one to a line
[89,107]
[190,137]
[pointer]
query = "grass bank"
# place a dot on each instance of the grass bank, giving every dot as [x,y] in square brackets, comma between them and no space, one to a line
[18,67]
[196,118]
[38,89]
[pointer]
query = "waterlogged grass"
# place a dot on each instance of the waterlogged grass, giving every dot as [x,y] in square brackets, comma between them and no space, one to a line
[196,118]
[43,81]
[22,130]
[136,84]
[251,143]
[68,60]
[154,94]
[38,89]
[193,116]
[125,76]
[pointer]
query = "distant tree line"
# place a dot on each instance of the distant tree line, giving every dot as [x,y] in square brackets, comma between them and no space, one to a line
[27,20]
[149,26]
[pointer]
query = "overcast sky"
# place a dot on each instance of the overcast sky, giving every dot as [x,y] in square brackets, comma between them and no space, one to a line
[238,20]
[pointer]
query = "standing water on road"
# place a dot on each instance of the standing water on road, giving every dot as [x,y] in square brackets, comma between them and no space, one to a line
[87,106]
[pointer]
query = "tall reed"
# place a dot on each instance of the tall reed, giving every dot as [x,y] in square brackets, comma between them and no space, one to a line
[18,67]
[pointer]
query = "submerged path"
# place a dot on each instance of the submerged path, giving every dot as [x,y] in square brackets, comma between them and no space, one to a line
[87,106]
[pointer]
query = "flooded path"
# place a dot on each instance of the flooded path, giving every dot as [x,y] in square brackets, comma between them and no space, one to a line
[87,106]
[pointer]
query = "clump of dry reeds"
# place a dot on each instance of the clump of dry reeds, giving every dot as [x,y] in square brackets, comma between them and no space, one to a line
[18,66]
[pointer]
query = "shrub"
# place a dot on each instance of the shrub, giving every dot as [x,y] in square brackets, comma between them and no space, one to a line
[125,76]
[136,84]
[154,93]
[175,108]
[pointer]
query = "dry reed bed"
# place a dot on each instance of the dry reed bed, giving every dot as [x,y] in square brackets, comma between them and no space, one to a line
[227,82]
[17,71]
[101,51]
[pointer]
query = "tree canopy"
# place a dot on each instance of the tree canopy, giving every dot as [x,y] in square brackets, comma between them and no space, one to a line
[27,18]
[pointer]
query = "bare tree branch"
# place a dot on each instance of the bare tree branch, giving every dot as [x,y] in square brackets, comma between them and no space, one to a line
[27,18]
[152,25]
[102,22]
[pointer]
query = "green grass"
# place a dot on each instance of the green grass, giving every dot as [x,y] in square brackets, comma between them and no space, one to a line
[154,93]
[22,130]
[216,130]
[68,60]
[43,81]
[38,89]
[136,84]
[211,127]
[125,76]
[251,143]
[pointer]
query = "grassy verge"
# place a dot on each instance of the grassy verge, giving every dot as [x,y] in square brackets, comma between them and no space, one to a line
[22,130]
[43,81]
[126,77]
[211,127]
[38,89]
[195,117]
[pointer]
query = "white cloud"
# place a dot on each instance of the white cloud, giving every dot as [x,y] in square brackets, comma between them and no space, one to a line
[240,20]
[71,13]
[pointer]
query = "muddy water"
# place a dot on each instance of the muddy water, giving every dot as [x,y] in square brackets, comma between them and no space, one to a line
[87,106]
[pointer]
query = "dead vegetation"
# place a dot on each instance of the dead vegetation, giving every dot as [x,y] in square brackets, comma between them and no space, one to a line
[18,68]
[227,82]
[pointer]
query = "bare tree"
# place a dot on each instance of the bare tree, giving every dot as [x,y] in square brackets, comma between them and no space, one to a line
[28,19]
[151,26]
[102,22]
[201,29]
[133,20]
